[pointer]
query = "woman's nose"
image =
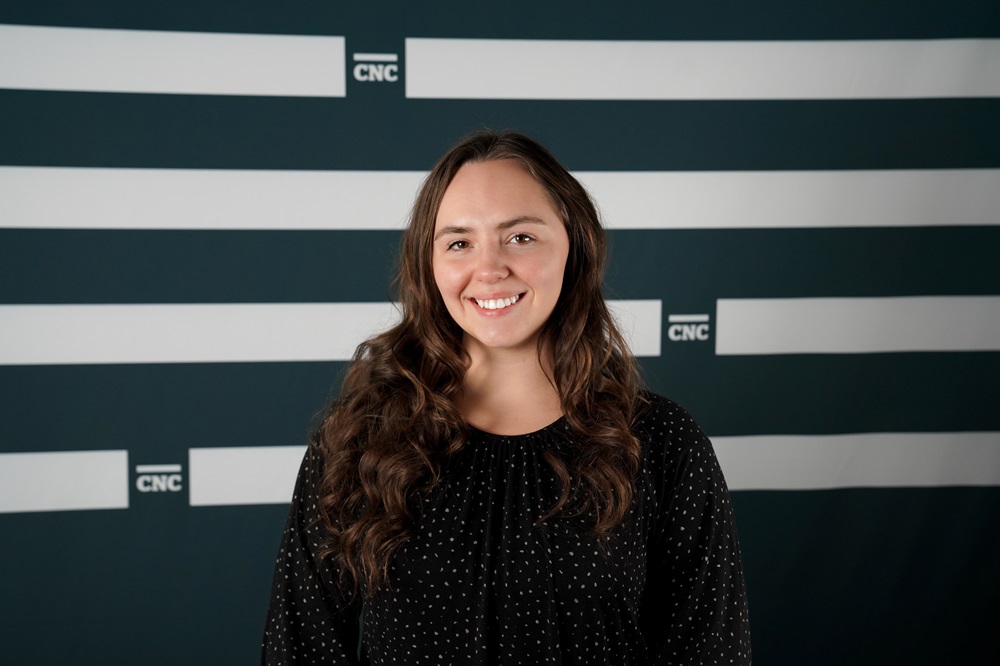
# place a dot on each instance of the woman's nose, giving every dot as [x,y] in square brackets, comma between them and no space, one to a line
[492,265]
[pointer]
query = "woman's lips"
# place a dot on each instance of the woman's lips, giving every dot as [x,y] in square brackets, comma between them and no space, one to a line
[497,303]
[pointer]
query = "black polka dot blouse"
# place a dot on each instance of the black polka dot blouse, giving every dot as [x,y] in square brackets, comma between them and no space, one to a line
[480,584]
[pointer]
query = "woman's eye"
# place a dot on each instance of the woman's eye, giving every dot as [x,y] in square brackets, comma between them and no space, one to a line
[458,245]
[520,239]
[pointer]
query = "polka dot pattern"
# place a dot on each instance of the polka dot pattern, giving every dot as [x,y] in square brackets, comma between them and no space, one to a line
[480,584]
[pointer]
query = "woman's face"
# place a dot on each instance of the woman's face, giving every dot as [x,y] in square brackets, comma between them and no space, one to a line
[499,254]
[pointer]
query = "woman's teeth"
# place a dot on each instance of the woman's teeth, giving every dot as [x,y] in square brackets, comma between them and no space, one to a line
[497,304]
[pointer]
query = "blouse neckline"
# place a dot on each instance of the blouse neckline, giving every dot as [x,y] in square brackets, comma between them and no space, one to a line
[477,433]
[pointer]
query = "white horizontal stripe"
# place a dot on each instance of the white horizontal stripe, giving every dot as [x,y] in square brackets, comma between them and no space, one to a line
[811,462]
[226,332]
[857,325]
[243,475]
[89,198]
[687,319]
[144,61]
[63,481]
[157,469]
[640,323]
[375,57]
[795,199]
[649,70]
[195,333]
[83,198]
[266,475]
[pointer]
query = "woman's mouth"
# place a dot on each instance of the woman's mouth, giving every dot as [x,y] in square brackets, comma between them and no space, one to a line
[497,303]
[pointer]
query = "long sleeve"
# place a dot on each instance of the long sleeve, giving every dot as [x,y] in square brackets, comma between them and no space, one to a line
[308,621]
[695,576]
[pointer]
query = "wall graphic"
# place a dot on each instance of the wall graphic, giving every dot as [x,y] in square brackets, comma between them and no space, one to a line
[200,205]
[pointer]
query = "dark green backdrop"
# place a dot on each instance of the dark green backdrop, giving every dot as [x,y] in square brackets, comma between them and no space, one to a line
[891,575]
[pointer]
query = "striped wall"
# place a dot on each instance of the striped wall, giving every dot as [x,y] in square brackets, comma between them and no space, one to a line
[199,213]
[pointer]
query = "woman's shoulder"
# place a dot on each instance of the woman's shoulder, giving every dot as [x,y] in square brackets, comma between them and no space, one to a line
[664,425]
[659,409]
[676,453]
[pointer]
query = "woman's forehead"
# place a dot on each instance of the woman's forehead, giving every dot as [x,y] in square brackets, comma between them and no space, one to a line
[494,192]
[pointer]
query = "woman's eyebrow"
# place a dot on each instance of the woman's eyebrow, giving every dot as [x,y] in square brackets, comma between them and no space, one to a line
[519,220]
[503,226]
[444,231]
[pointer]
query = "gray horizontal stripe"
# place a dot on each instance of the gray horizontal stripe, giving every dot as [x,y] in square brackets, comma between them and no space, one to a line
[857,325]
[266,474]
[690,70]
[43,197]
[226,332]
[243,475]
[146,61]
[811,462]
[198,333]
[63,481]
[95,198]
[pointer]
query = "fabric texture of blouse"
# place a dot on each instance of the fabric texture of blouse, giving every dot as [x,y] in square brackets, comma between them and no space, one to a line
[481,584]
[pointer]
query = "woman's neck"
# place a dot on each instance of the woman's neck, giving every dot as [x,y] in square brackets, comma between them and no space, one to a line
[508,394]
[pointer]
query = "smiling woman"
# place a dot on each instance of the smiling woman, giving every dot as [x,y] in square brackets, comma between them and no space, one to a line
[500,250]
[499,242]
[494,485]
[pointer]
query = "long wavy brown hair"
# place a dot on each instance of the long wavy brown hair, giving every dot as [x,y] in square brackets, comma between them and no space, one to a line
[385,437]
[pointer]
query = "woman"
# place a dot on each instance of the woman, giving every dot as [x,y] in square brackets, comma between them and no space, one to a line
[493,484]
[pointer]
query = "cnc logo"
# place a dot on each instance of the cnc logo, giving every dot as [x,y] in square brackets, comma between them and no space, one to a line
[158,478]
[688,327]
[372,67]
